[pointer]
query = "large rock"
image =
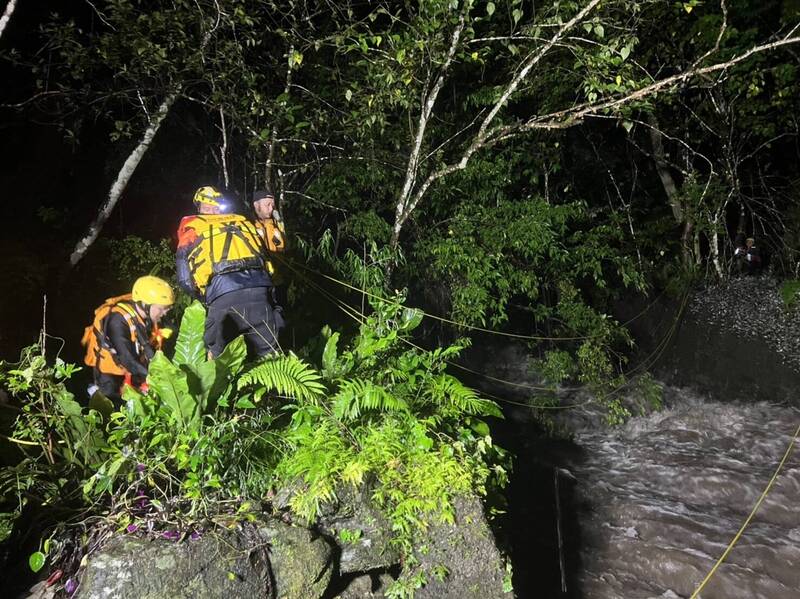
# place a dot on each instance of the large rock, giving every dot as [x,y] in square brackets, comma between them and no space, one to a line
[361,530]
[134,568]
[473,566]
[302,562]
[228,564]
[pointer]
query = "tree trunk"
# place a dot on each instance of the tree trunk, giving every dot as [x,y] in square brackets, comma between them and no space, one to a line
[669,185]
[124,175]
[12,4]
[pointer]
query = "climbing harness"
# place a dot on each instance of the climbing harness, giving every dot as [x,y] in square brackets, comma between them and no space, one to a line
[221,243]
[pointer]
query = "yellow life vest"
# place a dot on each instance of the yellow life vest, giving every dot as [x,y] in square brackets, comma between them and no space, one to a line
[228,242]
[99,352]
[273,233]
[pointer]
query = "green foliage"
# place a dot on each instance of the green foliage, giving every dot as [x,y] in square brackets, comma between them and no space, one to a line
[390,415]
[379,411]
[648,394]
[789,291]
[132,257]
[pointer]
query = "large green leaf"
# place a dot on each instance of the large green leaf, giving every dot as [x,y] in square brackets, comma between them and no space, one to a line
[189,348]
[171,385]
[410,318]
[226,367]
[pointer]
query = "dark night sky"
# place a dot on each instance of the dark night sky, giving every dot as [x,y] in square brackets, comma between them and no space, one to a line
[52,189]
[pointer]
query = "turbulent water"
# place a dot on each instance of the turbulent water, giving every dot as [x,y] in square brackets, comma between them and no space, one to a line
[659,499]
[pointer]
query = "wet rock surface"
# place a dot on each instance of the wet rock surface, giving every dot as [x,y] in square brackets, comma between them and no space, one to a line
[467,551]
[752,308]
[735,342]
[132,568]
[275,560]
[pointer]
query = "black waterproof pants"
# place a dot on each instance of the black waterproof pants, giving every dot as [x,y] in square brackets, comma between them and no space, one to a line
[109,385]
[245,312]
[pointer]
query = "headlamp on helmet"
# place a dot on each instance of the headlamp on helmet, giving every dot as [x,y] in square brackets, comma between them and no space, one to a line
[210,196]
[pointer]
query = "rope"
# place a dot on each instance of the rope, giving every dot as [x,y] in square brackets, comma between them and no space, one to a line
[749,517]
[463,325]
[359,318]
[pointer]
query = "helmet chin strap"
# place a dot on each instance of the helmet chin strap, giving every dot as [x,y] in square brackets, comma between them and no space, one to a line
[144,311]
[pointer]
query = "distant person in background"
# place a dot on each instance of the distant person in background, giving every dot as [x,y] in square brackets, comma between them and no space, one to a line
[222,260]
[740,253]
[752,257]
[747,256]
[125,335]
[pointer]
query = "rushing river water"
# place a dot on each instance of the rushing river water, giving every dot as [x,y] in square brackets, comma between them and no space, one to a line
[646,509]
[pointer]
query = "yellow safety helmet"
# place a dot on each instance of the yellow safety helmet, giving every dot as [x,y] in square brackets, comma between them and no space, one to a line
[152,290]
[210,196]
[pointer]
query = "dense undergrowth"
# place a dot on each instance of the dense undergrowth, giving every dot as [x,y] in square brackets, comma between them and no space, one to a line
[212,438]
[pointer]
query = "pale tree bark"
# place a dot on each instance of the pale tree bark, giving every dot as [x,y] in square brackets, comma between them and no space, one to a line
[670,187]
[714,243]
[570,117]
[428,101]
[12,4]
[124,175]
[662,168]
[223,149]
[410,197]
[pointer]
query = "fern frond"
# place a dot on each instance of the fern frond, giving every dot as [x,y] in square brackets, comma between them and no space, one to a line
[287,375]
[355,396]
[455,398]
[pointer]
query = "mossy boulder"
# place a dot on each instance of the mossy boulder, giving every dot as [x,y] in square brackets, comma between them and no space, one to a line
[465,554]
[302,561]
[272,560]
[217,565]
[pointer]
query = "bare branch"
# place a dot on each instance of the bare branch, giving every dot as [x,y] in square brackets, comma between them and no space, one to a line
[273,142]
[122,179]
[223,150]
[12,4]
[721,33]
[572,116]
[101,16]
[32,99]
[406,206]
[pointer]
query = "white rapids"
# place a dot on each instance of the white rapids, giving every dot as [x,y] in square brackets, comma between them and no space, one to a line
[660,499]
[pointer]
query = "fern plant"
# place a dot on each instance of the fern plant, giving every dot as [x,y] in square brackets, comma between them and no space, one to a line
[381,410]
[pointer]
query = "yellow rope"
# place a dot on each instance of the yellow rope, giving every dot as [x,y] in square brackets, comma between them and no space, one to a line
[749,517]
[18,441]
[464,325]
[359,318]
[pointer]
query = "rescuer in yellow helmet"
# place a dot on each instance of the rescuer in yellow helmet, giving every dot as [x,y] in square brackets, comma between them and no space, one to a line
[221,259]
[124,335]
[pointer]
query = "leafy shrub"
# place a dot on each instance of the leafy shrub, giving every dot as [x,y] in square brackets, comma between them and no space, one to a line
[789,291]
[210,434]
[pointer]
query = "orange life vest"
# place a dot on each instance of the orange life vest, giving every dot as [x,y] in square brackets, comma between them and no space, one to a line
[99,352]
[273,232]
